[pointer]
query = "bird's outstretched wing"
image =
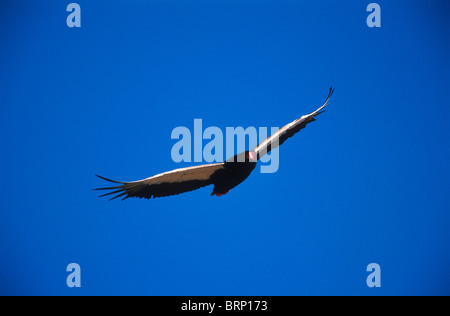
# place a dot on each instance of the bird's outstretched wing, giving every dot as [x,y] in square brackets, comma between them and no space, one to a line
[280,136]
[168,183]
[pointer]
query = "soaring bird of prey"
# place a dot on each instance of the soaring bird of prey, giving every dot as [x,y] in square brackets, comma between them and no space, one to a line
[224,176]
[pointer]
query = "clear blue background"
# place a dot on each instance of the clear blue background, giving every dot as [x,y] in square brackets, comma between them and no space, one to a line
[368,182]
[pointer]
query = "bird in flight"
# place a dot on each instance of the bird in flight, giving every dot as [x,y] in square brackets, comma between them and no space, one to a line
[224,176]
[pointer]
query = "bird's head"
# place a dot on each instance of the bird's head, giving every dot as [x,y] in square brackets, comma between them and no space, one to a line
[247,156]
[250,156]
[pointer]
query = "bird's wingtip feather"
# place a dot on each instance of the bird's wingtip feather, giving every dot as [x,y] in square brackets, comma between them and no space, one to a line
[113,181]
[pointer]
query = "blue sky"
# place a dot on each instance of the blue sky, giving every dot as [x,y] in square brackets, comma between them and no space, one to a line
[368,182]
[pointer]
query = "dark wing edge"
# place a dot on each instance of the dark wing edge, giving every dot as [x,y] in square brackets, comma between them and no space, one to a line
[165,184]
[289,130]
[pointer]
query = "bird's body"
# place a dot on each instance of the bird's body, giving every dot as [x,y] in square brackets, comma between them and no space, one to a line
[224,176]
[235,171]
